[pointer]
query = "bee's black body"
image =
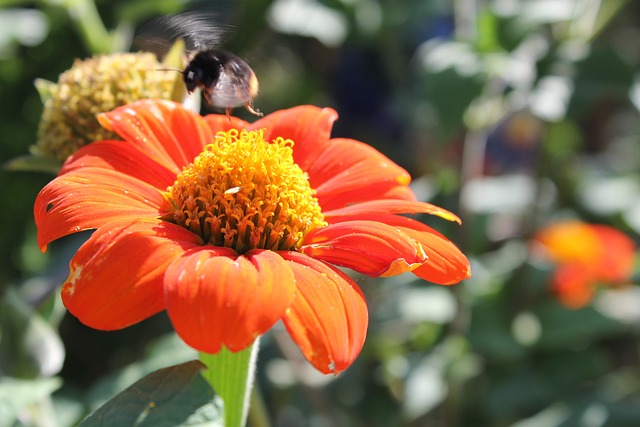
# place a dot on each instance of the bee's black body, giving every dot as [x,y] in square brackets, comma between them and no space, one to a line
[226,80]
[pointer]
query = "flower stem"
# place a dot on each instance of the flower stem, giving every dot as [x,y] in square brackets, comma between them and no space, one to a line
[231,376]
[258,415]
[86,17]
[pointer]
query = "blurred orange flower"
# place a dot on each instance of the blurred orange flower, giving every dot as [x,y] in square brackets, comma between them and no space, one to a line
[231,226]
[586,255]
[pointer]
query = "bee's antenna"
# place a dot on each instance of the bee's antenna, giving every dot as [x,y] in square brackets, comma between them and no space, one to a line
[170,69]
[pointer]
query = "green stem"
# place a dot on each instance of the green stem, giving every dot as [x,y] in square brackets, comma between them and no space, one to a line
[231,376]
[258,415]
[86,17]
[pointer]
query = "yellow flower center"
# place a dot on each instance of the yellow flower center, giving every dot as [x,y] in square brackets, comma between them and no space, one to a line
[245,193]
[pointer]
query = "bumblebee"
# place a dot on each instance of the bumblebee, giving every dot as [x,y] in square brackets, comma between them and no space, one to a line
[226,80]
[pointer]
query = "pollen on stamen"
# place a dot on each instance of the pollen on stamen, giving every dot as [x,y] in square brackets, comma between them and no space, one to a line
[232,190]
[245,193]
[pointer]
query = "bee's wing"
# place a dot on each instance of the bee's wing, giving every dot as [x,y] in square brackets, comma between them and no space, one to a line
[229,91]
[199,30]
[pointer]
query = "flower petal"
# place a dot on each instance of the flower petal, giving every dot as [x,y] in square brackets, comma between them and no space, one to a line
[328,317]
[443,262]
[400,193]
[369,247]
[573,285]
[164,130]
[349,171]
[216,298]
[446,264]
[388,206]
[122,157]
[307,126]
[90,197]
[191,132]
[115,277]
[222,123]
[570,241]
[617,256]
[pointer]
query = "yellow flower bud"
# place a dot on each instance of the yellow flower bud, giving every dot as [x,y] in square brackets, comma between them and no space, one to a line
[95,85]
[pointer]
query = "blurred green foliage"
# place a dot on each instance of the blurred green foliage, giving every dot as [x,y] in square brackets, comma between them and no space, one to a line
[510,113]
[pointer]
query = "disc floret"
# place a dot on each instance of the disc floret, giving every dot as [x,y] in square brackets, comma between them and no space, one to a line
[245,193]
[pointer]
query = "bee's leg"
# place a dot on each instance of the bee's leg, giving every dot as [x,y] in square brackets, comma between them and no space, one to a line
[252,110]
[207,98]
[228,113]
[244,94]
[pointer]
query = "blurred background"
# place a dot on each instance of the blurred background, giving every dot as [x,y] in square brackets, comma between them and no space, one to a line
[513,114]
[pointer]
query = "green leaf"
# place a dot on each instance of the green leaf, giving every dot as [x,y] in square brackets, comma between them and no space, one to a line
[16,394]
[606,13]
[29,346]
[173,396]
[487,39]
[518,392]
[165,351]
[605,72]
[490,332]
[451,86]
[33,163]
[563,328]
[44,88]
[67,406]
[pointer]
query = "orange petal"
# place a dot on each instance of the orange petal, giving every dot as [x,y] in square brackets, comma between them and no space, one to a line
[617,257]
[349,171]
[90,197]
[328,317]
[307,126]
[191,131]
[164,130]
[368,247]
[217,298]
[573,285]
[446,264]
[222,123]
[122,157]
[570,241]
[115,277]
[389,206]
[400,192]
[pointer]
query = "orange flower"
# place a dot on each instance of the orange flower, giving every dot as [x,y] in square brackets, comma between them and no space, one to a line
[587,255]
[573,285]
[231,226]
